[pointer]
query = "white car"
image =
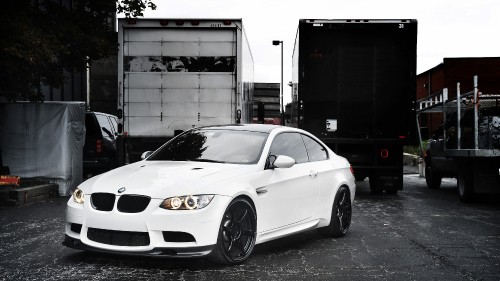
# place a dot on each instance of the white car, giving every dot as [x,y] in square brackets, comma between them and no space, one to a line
[217,192]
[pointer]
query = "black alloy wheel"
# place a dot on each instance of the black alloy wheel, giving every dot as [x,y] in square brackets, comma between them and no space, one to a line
[341,215]
[237,233]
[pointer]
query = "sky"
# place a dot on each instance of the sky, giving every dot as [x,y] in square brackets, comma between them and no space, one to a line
[446,28]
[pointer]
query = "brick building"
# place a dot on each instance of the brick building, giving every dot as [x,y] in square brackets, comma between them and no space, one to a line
[448,74]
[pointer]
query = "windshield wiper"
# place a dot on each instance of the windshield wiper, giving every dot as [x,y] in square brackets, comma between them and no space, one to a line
[207,160]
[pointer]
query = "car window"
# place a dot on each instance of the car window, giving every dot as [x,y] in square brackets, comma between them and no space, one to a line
[104,123]
[222,146]
[315,151]
[91,128]
[114,124]
[289,144]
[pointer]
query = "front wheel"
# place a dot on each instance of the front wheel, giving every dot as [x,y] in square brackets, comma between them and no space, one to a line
[237,232]
[340,219]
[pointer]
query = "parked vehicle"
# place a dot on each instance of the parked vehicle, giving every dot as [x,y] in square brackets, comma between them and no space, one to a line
[99,150]
[354,88]
[215,191]
[176,74]
[468,145]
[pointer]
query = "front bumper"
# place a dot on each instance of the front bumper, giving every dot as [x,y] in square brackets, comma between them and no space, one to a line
[150,224]
[155,252]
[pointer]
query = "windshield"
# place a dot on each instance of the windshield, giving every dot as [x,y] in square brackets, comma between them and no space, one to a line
[218,146]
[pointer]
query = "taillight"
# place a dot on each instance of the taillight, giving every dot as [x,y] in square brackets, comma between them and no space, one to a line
[227,22]
[384,153]
[98,146]
[352,170]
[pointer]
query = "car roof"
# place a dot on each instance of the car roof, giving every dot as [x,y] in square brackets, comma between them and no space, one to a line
[263,128]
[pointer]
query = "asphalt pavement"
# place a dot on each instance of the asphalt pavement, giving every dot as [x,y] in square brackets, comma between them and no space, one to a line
[418,234]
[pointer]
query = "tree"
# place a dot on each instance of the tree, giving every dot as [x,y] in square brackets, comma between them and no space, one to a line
[41,39]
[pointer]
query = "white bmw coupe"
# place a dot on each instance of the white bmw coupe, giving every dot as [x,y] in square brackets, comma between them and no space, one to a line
[216,192]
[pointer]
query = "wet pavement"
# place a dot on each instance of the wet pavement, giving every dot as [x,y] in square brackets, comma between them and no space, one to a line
[418,234]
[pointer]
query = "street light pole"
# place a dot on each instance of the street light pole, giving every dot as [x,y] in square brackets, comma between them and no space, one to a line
[282,106]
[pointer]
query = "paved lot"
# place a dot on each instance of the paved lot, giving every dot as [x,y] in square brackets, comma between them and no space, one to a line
[419,234]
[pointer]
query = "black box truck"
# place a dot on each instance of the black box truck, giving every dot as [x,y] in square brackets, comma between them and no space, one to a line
[354,87]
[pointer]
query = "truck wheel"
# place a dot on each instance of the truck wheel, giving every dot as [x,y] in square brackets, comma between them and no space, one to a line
[359,177]
[374,186]
[340,218]
[391,190]
[465,186]
[432,178]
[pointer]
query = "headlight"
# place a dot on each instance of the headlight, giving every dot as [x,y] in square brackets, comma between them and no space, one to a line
[191,202]
[78,196]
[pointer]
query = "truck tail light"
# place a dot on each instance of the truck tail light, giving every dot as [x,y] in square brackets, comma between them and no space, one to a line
[132,21]
[384,153]
[195,22]
[179,22]
[352,170]
[164,22]
[98,146]
[227,22]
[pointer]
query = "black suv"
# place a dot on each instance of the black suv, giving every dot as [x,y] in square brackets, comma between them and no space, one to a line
[99,151]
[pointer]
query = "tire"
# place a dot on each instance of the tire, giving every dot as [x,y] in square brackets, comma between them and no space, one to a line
[237,233]
[359,177]
[340,218]
[374,186]
[465,187]
[392,190]
[432,178]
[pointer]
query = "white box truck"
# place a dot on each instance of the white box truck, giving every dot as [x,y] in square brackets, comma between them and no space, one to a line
[176,74]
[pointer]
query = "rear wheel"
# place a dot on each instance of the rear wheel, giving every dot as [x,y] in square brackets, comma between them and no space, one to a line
[432,178]
[340,219]
[237,232]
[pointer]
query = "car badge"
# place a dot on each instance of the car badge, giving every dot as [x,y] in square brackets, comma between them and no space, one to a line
[121,190]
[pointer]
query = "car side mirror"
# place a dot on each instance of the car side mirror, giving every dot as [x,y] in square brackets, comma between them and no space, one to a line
[281,161]
[146,154]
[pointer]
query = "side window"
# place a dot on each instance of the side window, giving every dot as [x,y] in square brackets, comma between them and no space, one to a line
[315,150]
[104,123]
[289,144]
[91,128]
[114,124]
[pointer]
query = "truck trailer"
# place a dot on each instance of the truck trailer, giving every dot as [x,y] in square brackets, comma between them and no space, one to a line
[353,86]
[467,145]
[176,74]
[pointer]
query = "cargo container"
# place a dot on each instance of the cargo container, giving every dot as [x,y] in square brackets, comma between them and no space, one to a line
[353,86]
[175,74]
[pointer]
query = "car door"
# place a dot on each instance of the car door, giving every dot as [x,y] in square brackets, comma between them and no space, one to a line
[288,196]
[325,179]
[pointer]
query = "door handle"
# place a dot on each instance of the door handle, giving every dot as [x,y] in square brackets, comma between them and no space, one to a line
[313,173]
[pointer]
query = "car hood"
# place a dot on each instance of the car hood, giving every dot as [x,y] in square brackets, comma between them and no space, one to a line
[161,179]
